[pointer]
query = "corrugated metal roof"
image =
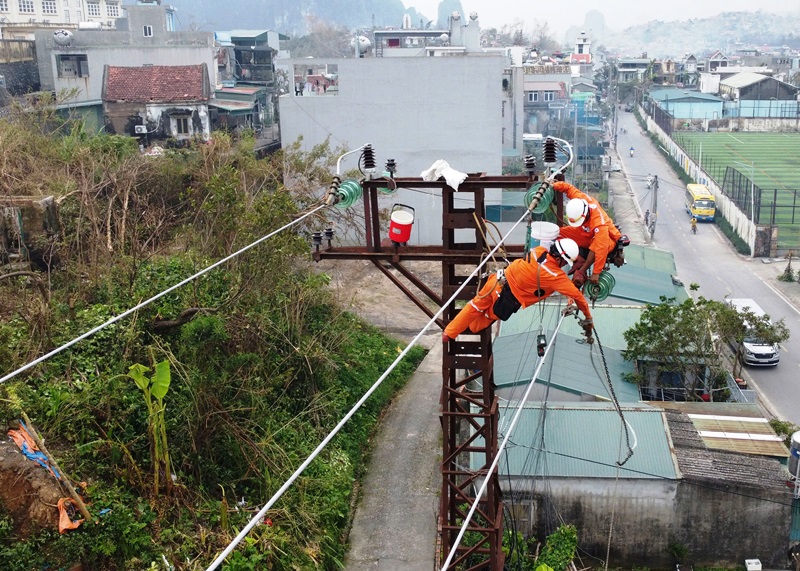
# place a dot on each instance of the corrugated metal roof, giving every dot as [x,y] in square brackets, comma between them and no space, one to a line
[647,275]
[577,370]
[736,427]
[585,442]
[678,95]
[743,79]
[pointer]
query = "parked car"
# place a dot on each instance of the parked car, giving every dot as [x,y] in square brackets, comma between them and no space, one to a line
[754,351]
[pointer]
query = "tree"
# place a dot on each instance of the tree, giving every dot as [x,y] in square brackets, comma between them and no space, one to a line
[688,340]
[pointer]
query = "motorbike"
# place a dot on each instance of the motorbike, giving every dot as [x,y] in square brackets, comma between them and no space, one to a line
[631,152]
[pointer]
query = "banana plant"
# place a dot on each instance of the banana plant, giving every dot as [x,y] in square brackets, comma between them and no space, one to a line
[154,389]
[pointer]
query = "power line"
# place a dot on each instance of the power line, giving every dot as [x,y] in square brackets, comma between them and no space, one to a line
[262,512]
[500,449]
[155,297]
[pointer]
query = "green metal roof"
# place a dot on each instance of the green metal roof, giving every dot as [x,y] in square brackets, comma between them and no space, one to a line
[647,275]
[586,442]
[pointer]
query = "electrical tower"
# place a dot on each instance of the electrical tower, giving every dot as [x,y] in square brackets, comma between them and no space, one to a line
[469,407]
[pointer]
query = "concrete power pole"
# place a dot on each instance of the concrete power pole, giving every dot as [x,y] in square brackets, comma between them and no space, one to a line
[654,209]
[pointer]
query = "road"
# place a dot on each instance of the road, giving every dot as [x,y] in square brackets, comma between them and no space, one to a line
[709,260]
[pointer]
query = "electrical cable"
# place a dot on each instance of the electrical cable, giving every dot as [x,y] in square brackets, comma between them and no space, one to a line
[499,453]
[155,297]
[262,512]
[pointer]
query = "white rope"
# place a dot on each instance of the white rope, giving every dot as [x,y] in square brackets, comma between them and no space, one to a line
[262,512]
[500,449]
[152,299]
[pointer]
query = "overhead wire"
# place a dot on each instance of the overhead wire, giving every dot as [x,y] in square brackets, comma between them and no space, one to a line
[262,512]
[159,295]
[497,457]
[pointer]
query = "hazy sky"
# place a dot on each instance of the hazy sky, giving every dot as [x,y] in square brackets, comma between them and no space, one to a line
[619,14]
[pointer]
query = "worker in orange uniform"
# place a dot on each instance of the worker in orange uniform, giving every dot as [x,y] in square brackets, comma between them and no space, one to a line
[594,232]
[526,281]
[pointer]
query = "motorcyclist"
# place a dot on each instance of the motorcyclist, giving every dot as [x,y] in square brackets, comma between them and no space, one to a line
[631,151]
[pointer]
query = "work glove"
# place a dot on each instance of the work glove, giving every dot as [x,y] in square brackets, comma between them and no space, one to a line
[570,309]
[578,263]
[595,278]
[587,325]
[445,338]
[559,177]
[579,278]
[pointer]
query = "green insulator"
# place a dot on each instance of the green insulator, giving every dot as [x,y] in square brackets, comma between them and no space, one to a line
[544,203]
[384,189]
[602,289]
[349,192]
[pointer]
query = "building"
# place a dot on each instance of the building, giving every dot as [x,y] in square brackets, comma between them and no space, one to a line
[686,104]
[74,61]
[21,19]
[755,95]
[673,473]
[158,102]
[630,70]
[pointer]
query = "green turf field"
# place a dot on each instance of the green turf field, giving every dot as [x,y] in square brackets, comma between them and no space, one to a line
[774,161]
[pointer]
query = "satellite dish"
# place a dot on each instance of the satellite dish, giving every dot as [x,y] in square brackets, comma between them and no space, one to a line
[473,16]
[444,38]
[62,37]
[456,16]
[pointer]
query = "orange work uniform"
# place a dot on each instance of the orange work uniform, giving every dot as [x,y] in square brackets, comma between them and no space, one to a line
[530,282]
[597,233]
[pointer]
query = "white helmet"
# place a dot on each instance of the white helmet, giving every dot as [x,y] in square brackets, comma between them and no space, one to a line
[566,249]
[577,210]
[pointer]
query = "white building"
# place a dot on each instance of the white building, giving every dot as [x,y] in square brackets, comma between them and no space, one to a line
[20,19]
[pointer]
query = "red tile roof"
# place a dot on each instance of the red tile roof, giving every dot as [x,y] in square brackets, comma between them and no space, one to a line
[159,83]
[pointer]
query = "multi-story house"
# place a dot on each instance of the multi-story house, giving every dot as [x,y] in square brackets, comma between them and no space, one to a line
[74,62]
[20,19]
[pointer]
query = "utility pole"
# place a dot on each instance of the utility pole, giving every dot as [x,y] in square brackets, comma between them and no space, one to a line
[654,210]
[469,407]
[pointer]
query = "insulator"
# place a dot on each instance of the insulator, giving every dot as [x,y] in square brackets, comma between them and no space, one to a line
[541,344]
[329,234]
[316,239]
[549,151]
[391,167]
[544,202]
[368,155]
[602,289]
[349,193]
[530,163]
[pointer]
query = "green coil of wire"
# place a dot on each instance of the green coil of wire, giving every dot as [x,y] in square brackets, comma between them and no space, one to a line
[544,203]
[602,289]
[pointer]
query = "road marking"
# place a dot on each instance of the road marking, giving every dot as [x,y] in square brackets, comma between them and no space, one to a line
[735,139]
[778,293]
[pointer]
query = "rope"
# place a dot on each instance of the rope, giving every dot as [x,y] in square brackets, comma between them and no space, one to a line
[155,297]
[614,399]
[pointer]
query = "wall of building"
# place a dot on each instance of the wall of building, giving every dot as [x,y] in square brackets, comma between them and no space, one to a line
[21,77]
[719,525]
[414,110]
[120,48]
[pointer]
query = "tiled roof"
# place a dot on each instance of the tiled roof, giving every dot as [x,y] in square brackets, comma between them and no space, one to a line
[157,83]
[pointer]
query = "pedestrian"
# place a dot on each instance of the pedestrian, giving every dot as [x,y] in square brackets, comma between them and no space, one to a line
[524,282]
[647,218]
[594,231]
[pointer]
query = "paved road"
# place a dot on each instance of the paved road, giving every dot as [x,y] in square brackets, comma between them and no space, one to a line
[709,260]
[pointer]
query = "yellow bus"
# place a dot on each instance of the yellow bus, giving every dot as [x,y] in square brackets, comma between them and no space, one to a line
[700,202]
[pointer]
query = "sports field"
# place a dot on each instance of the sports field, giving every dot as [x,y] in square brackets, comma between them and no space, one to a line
[773,162]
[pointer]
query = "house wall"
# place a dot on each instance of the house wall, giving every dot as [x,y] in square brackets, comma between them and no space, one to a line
[414,110]
[121,47]
[123,116]
[720,525]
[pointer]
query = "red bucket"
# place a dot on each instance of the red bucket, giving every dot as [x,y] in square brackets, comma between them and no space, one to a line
[400,223]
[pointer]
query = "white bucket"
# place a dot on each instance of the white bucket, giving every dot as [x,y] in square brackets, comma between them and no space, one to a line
[543,234]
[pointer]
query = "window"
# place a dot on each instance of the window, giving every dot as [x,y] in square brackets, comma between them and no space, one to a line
[73,66]
[147,31]
[49,7]
[549,96]
[533,96]
[182,125]
[3,5]
[66,16]
[93,8]
[112,10]
[26,6]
